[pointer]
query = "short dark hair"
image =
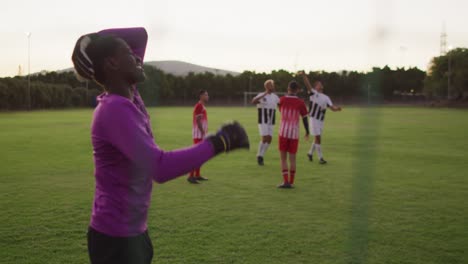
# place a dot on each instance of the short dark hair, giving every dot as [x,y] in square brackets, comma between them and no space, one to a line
[201,92]
[89,54]
[293,85]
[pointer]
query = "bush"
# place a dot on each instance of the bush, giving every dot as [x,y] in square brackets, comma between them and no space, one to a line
[79,96]
[14,95]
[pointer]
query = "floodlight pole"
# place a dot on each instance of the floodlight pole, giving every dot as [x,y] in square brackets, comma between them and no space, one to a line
[449,75]
[368,94]
[449,71]
[403,53]
[28,34]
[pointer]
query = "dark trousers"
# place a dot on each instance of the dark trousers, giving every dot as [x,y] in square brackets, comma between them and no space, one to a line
[104,249]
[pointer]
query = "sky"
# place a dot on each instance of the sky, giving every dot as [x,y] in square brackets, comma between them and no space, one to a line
[255,35]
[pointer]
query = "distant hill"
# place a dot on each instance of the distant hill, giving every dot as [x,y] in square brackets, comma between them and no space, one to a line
[178,68]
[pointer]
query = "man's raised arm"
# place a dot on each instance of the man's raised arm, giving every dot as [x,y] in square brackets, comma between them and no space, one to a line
[306,81]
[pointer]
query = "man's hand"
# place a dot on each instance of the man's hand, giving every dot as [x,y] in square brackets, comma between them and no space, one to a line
[306,80]
[200,126]
[335,108]
[257,100]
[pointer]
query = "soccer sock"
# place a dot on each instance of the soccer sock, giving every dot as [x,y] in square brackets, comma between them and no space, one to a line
[260,148]
[319,150]
[191,173]
[265,147]
[285,176]
[292,174]
[312,149]
[197,172]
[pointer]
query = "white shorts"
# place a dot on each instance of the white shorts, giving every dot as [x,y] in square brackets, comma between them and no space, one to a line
[316,127]
[265,129]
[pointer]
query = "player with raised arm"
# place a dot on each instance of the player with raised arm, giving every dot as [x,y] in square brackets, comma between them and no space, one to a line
[126,157]
[318,104]
[266,105]
[199,130]
[292,109]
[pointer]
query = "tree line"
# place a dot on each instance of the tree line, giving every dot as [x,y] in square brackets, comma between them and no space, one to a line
[63,90]
[447,76]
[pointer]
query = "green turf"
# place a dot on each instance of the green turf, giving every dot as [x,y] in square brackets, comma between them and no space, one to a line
[395,191]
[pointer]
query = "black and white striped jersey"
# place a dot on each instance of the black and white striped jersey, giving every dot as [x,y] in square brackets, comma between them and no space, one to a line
[267,108]
[318,104]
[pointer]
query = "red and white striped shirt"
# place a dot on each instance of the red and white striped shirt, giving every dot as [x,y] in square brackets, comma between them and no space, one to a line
[199,110]
[292,109]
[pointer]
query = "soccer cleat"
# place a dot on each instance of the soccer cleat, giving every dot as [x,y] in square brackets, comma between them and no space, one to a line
[260,160]
[310,157]
[285,185]
[192,180]
[200,178]
[322,161]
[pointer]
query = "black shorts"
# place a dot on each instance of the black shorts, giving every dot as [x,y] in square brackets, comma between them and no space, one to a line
[104,249]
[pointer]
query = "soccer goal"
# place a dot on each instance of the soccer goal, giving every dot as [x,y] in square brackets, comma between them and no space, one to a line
[249,95]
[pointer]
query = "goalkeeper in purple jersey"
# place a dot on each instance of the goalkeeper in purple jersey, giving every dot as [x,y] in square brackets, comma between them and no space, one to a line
[126,158]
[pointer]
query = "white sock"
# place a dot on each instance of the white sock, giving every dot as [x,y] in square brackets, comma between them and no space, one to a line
[312,149]
[265,147]
[260,149]
[319,150]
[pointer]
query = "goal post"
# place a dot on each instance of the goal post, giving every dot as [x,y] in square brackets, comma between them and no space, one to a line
[249,95]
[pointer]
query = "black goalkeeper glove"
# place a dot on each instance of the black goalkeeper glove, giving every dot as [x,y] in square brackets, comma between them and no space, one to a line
[229,137]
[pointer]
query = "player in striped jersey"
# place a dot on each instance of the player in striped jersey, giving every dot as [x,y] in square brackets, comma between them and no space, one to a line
[199,130]
[292,108]
[266,104]
[318,104]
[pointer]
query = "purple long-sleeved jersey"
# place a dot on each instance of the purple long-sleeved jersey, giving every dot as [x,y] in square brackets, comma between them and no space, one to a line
[126,158]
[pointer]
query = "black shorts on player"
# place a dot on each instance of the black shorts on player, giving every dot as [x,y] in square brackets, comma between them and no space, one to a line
[104,249]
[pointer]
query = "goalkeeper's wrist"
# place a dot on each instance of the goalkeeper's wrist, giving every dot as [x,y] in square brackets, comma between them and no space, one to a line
[218,142]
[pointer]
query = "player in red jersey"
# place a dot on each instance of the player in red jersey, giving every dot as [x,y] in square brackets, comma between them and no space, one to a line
[292,108]
[199,130]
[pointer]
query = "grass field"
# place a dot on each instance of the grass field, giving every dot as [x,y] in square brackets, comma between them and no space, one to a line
[395,191]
